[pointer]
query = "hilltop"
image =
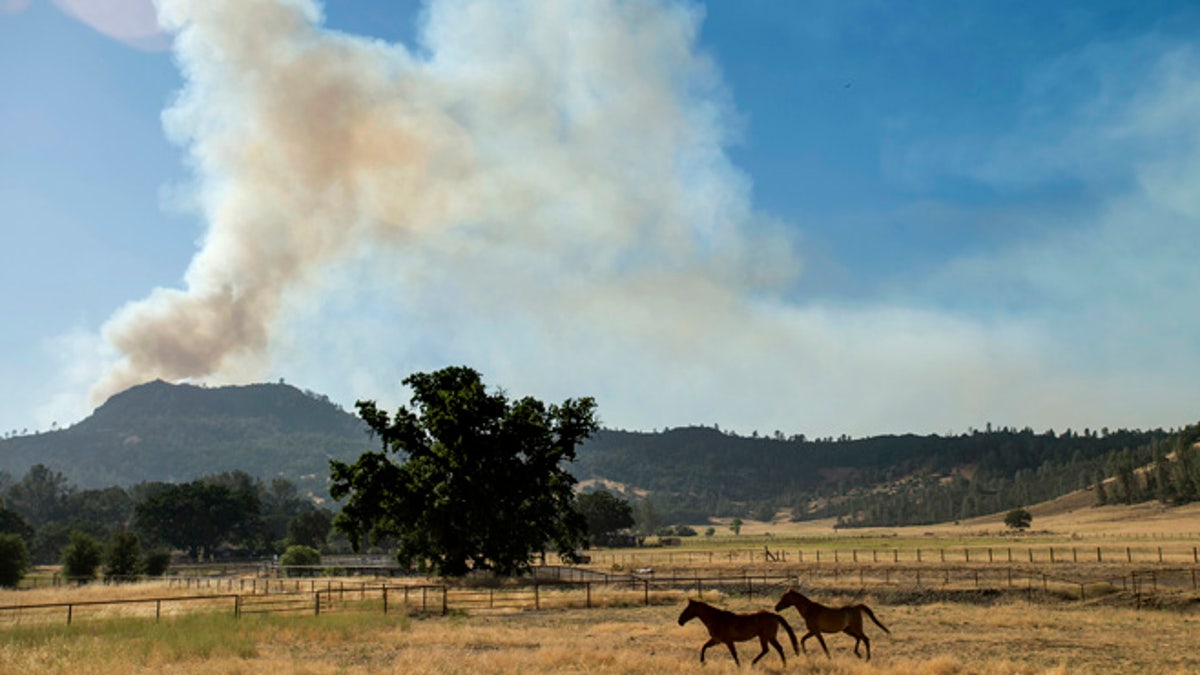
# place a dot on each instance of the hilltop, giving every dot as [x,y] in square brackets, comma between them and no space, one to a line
[177,432]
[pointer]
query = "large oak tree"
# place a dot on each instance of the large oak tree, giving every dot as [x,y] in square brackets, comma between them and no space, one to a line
[465,478]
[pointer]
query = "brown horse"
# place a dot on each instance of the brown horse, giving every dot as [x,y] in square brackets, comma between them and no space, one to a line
[821,619]
[727,628]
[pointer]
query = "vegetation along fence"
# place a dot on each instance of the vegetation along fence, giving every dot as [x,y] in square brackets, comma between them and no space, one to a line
[554,587]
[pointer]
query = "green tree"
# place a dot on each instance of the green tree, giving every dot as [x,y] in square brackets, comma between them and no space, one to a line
[310,528]
[100,512]
[82,556]
[197,517]
[156,563]
[41,496]
[11,522]
[14,560]
[1018,519]
[1101,492]
[648,518]
[605,513]
[736,525]
[122,557]
[476,482]
[299,556]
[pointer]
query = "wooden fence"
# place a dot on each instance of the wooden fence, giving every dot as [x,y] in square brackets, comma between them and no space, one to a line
[1167,554]
[572,587]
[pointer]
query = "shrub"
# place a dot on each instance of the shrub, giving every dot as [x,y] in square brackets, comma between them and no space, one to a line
[156,563]
[82,556]
[1018,519]
[123,556]
[299,555]
[14,560]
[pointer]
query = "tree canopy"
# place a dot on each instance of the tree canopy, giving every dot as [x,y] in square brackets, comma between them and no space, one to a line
[605,513]
[1018,519]
[466,479]
[201,515]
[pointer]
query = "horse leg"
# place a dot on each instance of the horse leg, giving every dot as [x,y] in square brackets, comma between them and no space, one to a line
[857,638]
[822,641]
[733,651]
[806,636]
[867,643]
[778,648]
[711,642]
[762,642]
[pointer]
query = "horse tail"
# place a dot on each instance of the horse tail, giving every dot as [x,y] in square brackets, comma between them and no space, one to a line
[791,634]
[867,610]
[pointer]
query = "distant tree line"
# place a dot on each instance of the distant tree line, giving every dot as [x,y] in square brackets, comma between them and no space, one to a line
[694,473]
[1165,467]
[132,531]
[1167,470]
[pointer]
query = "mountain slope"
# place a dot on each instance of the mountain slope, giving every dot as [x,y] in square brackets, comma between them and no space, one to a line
[164,432]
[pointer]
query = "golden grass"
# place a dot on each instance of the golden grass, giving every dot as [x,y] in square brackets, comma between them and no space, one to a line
[938,639]
[1012,636]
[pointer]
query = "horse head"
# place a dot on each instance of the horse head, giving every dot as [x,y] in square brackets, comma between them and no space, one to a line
[690,612]
[792,598]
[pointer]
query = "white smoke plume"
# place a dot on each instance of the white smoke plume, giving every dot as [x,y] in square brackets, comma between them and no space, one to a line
[540,189]
[576,139]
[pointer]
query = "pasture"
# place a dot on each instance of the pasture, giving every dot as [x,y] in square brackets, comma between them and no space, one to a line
[962,614]
[939,638]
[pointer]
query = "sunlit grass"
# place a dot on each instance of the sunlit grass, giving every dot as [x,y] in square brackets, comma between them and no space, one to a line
[1009,637]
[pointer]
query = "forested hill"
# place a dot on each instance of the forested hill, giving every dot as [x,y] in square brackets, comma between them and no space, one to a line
[694,472]
[167,432]
[177,433]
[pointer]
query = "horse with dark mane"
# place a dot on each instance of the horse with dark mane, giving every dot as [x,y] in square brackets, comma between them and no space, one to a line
[821,619]
[726,627]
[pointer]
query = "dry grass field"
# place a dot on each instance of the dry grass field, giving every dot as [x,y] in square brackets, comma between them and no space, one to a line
[995,633]
[939,639]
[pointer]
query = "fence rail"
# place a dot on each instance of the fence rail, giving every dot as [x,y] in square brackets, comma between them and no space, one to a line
[1170,554]
[548,589]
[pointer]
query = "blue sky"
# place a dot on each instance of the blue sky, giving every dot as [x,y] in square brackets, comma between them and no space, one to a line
[823,218]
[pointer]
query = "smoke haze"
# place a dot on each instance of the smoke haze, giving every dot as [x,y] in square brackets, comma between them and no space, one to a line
[577,139]
[542,190]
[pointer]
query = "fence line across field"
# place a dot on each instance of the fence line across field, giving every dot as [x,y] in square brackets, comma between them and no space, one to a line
[1181,553]
[318,596]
